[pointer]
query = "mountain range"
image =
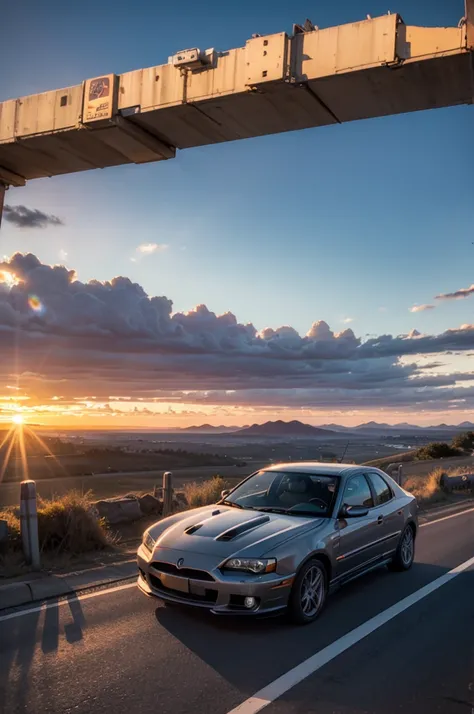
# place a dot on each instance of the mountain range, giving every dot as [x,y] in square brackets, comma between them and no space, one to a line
[298,429]
[403,427]
[284,428]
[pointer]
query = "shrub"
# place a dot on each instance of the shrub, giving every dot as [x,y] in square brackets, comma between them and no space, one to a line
[436,450]
[465,441]
[205,493]
[10,515]
[68,524]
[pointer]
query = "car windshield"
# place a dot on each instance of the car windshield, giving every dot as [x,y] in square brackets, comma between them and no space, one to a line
[286,492]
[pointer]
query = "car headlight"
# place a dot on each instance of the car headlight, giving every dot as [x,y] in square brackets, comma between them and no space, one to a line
[148,541]
[251,565]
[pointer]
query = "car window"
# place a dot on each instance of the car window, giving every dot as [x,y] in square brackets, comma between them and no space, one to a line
[289,491]
[383,492]
[358,493]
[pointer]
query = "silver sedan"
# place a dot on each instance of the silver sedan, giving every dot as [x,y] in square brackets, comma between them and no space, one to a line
[280,541]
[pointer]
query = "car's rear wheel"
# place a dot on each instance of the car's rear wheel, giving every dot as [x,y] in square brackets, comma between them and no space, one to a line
[405,553]
[309,593]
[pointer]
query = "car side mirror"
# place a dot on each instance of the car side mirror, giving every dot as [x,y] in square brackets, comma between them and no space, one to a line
[225,493]
[353,511]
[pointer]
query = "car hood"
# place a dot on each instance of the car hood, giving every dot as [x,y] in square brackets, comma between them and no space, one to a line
[225,531]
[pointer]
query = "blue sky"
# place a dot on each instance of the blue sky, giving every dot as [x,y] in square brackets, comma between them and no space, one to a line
[359,221]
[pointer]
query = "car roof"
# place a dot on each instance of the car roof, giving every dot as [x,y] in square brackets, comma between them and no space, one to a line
[315,467]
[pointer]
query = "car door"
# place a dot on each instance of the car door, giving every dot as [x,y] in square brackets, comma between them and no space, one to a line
[356,535]
[388,512]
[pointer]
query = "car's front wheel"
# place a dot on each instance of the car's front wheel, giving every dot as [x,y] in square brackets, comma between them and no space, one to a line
[309,592]
[405,553]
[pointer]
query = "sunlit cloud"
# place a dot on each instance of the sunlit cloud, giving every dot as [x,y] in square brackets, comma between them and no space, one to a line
[421,308]
[457,294]
[348,320]
[149,248]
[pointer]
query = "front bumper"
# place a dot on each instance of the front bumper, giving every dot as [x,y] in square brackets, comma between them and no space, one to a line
[221,594]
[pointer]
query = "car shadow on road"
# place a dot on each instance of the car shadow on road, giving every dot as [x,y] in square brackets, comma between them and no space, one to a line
[250,653]
[20,640]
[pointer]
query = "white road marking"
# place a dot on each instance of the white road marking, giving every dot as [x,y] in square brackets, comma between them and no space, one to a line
[294,676]
[118,588]
[58,603]
[446,518]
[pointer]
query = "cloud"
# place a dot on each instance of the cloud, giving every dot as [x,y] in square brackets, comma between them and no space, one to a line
[421,308]
[24,217]
[106,338]
[348,320]
[149,248]
[457,294]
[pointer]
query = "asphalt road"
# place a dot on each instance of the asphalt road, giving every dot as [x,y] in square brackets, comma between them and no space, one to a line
[387,643]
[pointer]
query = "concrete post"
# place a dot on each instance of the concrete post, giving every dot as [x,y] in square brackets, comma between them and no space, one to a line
[395,471]
[29,523]
[400,478]
[167,493]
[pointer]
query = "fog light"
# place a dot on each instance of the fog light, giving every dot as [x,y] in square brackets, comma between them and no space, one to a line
[249,602]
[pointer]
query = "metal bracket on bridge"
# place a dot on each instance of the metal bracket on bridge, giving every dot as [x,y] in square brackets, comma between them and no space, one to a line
[469,18]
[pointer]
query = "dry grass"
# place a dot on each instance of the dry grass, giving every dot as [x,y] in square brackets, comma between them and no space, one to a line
[427,489]
[205,493]
[66,524]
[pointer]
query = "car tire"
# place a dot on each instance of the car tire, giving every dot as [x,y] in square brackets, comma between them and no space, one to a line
[308,594]
[405,553]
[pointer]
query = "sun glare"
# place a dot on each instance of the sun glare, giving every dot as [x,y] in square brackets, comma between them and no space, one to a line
[17,419]
[8,278]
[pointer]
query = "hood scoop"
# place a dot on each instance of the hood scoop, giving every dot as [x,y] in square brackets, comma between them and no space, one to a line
[235,531]
[196,526]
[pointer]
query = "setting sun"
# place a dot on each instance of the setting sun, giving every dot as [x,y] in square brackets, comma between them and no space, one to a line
[17,419]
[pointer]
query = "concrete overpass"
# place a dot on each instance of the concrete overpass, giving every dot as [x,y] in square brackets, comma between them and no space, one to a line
[276,83]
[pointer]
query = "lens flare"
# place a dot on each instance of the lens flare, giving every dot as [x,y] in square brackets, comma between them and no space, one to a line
[35,304]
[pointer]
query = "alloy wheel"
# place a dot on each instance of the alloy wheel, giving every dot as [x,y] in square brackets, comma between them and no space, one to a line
[407,547]
[312,591]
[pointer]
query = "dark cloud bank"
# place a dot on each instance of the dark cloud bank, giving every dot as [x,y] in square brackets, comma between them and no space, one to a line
[112,338]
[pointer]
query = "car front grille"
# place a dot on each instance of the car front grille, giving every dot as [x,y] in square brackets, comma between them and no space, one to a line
[207,597]
[191,573]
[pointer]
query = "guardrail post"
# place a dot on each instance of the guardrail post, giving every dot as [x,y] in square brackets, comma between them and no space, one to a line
[167,493]
[29,523]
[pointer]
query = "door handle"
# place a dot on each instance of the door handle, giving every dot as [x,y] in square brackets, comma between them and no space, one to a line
[380,520]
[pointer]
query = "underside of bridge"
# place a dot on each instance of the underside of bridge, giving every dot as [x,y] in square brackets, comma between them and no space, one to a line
[275,83]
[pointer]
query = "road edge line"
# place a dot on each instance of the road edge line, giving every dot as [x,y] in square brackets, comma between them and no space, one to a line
[297,674]
[446,518]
